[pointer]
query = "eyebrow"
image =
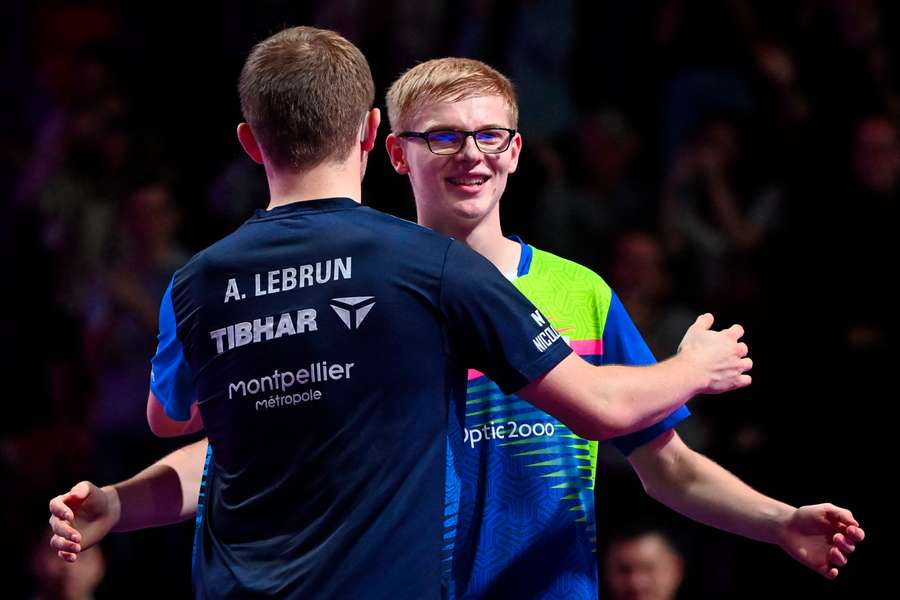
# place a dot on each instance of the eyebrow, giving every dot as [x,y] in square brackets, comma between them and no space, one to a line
[442,127]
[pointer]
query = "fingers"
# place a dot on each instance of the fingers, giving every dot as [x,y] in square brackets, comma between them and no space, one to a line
[742,349]
[63,545]
[59,508]
[855,534]
[842,543]
[62,505]
[64,529]
[67,556]
[836,557]
[735,332]
[742,379]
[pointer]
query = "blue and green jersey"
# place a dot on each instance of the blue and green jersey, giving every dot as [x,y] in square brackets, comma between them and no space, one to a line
[519,515]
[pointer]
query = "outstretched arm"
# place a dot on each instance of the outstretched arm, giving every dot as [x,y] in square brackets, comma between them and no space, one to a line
[163,493]
[612,400]
[820,536]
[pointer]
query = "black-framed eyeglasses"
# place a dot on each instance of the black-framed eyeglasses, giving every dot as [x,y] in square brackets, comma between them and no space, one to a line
[490,140]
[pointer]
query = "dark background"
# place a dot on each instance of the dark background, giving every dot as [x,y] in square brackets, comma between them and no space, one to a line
[728,156]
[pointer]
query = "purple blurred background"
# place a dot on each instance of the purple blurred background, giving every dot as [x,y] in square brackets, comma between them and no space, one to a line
[729,156]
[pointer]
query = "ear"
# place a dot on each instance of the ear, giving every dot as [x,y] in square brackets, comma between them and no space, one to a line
[396,154]
[370,130]
[515,149]
[248,143]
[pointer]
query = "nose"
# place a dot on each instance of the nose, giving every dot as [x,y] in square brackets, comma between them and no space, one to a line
[469,150]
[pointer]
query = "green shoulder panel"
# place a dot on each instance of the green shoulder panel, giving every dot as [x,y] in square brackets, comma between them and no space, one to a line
[574,298]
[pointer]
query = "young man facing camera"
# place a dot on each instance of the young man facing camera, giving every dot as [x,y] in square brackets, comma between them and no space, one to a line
[523,525]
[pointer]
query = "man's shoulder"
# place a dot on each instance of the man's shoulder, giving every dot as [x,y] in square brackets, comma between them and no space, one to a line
[566,272]
[225,248]
[382,235]
[401,228]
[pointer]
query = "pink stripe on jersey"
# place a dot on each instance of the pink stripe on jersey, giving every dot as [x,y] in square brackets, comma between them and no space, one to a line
[581,348]
[587,347]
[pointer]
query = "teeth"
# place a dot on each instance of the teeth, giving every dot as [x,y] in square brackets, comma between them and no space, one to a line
[468,180]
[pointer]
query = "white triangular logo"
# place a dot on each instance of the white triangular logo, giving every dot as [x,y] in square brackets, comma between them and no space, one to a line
[347,307]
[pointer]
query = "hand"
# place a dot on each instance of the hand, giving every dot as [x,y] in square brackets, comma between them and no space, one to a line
[81,518]
[821,537]
[718,355]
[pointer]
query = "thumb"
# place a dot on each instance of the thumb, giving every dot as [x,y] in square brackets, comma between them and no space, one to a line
[79,493]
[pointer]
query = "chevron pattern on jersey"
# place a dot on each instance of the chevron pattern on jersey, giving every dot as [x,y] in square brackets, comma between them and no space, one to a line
[525,480]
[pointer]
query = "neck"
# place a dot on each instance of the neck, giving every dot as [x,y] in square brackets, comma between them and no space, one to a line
[326,180]
[484,237]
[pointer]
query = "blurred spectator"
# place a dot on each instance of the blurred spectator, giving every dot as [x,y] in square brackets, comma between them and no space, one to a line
[538,60]
[121,326]
[702,81]
[640,276]
[872,233]
[642,564]
[89,162]
[716,217]
[591,198]
[846,48]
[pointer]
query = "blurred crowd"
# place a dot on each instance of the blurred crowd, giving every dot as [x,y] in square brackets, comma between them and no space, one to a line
[728,156]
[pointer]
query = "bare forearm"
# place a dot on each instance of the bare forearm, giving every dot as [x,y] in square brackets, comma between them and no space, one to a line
[603,402]
[638,397]
[697,487]
[163,493]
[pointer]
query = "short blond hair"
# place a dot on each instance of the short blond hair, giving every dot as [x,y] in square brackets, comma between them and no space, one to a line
[446,80]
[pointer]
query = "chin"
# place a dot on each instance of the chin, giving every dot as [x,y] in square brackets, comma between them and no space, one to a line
[472,208]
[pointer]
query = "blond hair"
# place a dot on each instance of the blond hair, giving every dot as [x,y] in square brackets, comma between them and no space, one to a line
[305,91]
[446,80]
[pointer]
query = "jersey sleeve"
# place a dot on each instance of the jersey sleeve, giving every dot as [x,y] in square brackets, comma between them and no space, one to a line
[170,373]
[623,345]
[491,326]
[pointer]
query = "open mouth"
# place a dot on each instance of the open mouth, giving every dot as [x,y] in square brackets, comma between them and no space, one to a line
[468,181]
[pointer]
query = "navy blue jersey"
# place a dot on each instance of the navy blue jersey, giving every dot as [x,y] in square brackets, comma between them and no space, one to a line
[326,345]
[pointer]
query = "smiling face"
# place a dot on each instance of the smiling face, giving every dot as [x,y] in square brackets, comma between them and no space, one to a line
[456,193]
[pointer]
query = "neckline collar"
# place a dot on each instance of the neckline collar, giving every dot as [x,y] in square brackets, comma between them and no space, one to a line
[306,206]
[524,258]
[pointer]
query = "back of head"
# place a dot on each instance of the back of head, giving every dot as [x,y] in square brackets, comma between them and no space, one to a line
[446,80]
[305,92]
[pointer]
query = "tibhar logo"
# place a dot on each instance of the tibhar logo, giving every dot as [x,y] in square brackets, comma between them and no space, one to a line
[353,310]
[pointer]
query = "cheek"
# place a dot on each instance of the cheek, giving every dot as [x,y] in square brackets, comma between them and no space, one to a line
[504,164]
